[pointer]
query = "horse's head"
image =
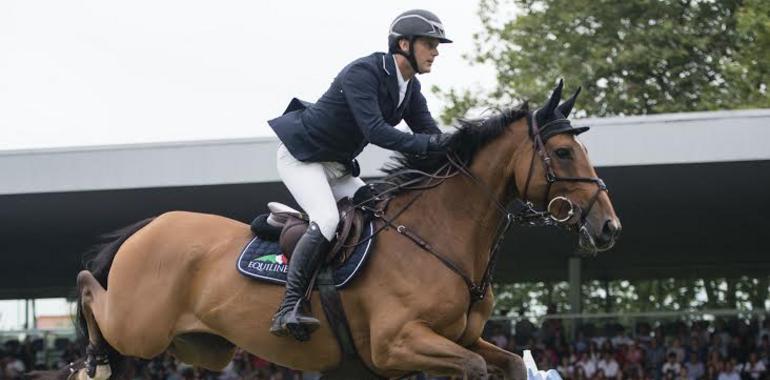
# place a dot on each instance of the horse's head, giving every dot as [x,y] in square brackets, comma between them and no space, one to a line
[554,174]
[542,159]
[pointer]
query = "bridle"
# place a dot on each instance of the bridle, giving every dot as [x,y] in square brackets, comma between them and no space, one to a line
[530,215]
[527,215]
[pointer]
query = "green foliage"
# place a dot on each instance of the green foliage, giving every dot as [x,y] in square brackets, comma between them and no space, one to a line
[630,56]
[753,61]
[458,103]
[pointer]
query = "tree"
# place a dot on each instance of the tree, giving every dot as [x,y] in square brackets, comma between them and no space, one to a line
[631,57]
[752,69]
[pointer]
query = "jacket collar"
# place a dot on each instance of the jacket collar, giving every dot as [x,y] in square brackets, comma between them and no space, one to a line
[389,66]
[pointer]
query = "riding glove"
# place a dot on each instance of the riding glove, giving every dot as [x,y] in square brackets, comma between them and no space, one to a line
[439,143]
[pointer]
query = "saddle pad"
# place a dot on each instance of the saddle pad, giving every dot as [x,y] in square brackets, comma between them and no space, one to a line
[263,260]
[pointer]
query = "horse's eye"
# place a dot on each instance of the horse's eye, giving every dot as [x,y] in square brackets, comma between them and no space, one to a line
[563,153]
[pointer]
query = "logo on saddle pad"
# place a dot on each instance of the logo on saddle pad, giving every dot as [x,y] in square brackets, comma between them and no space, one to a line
[270,263]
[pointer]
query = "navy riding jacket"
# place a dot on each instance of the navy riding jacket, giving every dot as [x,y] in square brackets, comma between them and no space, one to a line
[359,108]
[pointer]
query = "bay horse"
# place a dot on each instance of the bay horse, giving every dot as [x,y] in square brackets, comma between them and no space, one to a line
[169,283]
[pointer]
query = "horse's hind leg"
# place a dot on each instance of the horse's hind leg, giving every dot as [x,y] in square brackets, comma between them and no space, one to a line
[97,365]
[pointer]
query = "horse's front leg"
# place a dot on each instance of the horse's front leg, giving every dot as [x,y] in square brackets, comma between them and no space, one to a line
[509,363]
[416,347]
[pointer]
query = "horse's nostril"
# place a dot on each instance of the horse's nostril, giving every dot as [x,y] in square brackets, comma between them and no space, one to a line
[610,230]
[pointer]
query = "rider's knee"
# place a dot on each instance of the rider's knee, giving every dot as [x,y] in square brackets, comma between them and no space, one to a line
[327,224]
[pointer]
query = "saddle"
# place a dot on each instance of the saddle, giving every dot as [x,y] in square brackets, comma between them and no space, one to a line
[286,225]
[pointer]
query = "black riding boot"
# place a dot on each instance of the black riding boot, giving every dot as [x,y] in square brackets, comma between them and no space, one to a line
[304,260]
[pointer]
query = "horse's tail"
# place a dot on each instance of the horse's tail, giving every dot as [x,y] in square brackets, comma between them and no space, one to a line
[98,261]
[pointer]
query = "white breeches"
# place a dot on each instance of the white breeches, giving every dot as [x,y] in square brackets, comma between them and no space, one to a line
[317,186]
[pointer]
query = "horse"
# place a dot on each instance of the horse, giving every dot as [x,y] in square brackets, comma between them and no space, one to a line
[169,282]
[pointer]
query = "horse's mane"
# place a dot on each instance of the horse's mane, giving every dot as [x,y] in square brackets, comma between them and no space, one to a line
[470,137]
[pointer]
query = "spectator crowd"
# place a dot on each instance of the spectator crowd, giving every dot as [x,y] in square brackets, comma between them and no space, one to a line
[724,349]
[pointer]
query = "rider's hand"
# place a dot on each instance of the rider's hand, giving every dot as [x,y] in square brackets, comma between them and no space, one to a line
[439,142]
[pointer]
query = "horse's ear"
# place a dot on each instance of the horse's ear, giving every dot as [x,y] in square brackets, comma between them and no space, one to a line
[549,107]
[566,107]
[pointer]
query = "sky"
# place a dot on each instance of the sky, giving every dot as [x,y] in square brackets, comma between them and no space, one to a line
[80,73]
[76,73]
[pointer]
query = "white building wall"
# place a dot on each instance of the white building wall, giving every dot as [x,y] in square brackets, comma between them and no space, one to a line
[679,138]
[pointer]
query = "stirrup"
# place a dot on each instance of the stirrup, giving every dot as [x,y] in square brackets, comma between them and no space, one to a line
[291,322]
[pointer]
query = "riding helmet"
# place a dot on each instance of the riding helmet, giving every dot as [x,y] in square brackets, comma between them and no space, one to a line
[410,25]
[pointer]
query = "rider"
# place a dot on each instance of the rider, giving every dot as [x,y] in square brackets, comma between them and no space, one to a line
[320,142]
